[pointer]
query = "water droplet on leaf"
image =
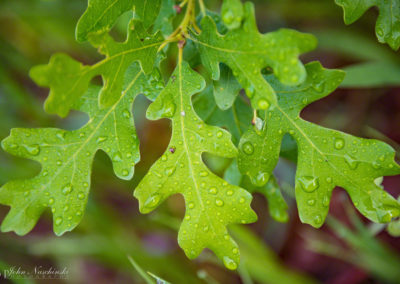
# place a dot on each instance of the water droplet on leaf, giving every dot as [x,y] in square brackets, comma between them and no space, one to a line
[308,183]
[248,148]
[339,143]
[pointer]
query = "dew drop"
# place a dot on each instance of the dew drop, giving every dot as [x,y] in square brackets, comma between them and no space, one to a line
[219,202]
[229,192]
[352,163]
[152,201]
[311,202]
[319,87]
[187,217]
[250,91]
[261,179]
[263,104]
[241,200]
[79,213]
[213,190]
[164,158]
[169,109]
[60,135]
[228,17]
[203,173]
[81,195]
[325,201]
[67,189]
[170,171]
[59,220]
[329,180]
[59,163]
[235,251]
[339,143]
[51,201]
[101,139]
[318,220]
[219,134]
[248,148]
[308,183]
[117,157]
[191,205]
[376,165]
[125,173]
[33,149]
[126,113]
[229,263]
[66,208]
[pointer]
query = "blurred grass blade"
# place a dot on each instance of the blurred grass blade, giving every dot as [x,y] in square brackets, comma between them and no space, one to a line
[372,75]
[140,271]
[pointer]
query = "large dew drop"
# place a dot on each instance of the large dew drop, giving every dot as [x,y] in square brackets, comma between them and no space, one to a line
[33,149]
[308,183]
[229,263]
[152,201]
[248,148]
[338,143]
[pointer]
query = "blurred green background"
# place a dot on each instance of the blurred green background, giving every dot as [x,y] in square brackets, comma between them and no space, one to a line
[347,249]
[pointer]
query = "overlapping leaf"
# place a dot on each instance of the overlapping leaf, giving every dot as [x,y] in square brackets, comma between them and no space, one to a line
[211,203]
[101,15]
[69,79]
[236,119]
[66,157]
[388,24]
[247,52]
[326,158]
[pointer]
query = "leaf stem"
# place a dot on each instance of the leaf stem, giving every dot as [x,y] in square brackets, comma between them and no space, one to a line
[202,8]
[189,20]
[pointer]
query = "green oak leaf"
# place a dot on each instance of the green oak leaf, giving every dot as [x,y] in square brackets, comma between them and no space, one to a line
[246,52]
[388,24]
[326,158]
[237,119]
[165,17]
[211,203]
[66,157]
[101,15]
[69,79]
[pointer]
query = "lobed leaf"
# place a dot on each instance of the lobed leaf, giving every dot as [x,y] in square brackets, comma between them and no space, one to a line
[101,15]
[66,158]
[211,203]
[236,119]
[326,158]
[69,79]
[246,52]
[387,27]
